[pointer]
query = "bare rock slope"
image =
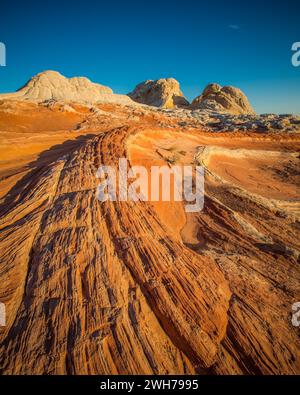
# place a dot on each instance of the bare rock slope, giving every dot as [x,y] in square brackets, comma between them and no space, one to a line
[164,92]
[143,287]
[51,85]
[227,99]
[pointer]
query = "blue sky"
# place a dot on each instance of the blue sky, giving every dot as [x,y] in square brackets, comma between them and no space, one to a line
[121,43]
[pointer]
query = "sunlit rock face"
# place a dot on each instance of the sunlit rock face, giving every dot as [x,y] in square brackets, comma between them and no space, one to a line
[51,85]
[227,99]
[164,93]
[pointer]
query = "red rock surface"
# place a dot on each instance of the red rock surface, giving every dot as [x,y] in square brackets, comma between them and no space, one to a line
[123,287]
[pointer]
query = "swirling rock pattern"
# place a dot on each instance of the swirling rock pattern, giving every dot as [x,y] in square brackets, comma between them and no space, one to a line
[141,287]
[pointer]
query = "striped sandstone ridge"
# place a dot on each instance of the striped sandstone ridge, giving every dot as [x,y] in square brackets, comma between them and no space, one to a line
[123,287]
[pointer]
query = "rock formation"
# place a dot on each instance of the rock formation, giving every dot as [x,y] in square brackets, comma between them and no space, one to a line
[227,99]
[123,287]
[51,85]
[164,92]
[225,122]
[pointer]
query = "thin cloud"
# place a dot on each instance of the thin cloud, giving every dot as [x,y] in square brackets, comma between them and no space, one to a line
[234,27]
